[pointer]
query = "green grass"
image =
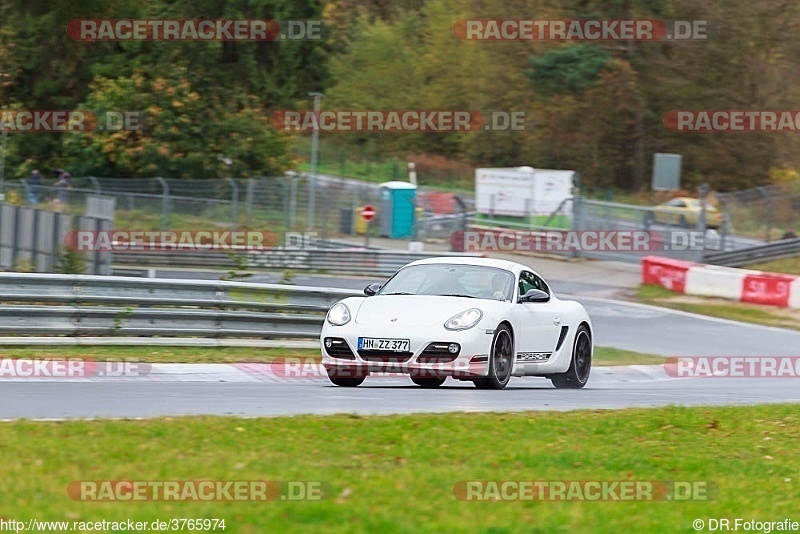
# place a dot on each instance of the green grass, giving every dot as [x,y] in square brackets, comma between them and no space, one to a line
[785,265]
[725,309]
[382,171]
[602,355]
[397,474]
[610,356]
[159,354]
[558,221]
[386,171]
[652,291]
[215,219]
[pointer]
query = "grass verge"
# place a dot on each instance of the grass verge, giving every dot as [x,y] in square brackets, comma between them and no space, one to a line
[725,309]
[397,474]
[602,355]
[785,265]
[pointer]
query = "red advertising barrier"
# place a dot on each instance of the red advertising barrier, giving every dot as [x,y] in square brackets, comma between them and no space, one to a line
[767,288]
[665,272]
[439,203]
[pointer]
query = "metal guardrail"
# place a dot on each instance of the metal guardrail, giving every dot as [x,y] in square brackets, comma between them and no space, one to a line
[79,305]
[353,261]
[776,250]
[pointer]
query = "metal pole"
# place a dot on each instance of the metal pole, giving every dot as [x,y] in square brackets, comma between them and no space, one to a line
[249,201]
[164,201]
[3,165]
[235,202]
[312,183]
[769,217]
[701,223]
[767,213]
[293,201]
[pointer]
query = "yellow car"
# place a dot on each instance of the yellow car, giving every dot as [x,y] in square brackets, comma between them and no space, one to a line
[685,212]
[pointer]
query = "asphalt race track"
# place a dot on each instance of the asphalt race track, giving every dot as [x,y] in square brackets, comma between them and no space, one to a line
[231,390]
[253,390]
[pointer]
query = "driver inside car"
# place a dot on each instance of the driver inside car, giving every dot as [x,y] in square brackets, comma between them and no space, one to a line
[500,286]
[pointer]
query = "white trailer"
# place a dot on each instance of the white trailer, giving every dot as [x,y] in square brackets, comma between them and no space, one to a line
[523,191]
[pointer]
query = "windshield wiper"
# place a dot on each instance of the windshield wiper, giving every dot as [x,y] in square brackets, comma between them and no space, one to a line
[398,293]
[457,295]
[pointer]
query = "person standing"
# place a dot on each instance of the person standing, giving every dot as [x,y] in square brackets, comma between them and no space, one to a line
[63,184]
[34,183]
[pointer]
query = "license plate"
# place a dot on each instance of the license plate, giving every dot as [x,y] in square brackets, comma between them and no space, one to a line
[389,345]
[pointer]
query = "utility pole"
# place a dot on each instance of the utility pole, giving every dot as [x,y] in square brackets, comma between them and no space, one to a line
[312,182]
[3,165]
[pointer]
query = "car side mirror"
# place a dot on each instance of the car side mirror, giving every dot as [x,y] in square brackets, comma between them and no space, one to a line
[372,289]
[535,295]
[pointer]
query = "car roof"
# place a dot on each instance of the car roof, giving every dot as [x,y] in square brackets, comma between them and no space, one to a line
[693,202]
[474,260]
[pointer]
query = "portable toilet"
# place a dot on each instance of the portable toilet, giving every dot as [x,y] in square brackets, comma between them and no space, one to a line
[398,200]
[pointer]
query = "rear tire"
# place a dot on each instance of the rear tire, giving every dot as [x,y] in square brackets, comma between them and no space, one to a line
[580,365]
[501,361]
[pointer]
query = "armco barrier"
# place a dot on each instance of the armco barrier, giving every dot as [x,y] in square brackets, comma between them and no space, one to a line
[354,261]
[81,305]
[724,282]
[665,272]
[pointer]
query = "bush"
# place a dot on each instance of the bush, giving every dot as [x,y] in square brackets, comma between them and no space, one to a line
[70,262]
[23,266]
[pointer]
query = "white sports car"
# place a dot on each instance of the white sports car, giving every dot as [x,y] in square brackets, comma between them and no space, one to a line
[476,319]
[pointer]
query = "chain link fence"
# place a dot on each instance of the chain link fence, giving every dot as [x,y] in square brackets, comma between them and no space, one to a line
[767,214]
[279,204]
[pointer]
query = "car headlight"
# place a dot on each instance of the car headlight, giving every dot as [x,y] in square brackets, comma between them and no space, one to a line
[338,315]
[464,320]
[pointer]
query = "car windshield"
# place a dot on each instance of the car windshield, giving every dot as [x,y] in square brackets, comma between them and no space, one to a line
[468,281]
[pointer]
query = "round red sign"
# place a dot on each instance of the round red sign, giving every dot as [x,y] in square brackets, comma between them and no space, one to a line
[367,213]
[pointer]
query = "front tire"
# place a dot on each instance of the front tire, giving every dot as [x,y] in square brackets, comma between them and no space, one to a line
[581,364]
[501,361]
[345,381]
[428,382]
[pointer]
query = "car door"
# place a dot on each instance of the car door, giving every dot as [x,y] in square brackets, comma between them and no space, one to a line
[537,323]
[679,210]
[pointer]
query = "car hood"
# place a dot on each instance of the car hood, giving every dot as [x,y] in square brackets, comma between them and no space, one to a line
[415,310]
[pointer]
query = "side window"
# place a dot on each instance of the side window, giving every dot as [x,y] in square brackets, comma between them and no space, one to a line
[538,283]
[528,281]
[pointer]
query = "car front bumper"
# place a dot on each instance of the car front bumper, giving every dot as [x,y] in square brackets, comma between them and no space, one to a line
[471,361]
